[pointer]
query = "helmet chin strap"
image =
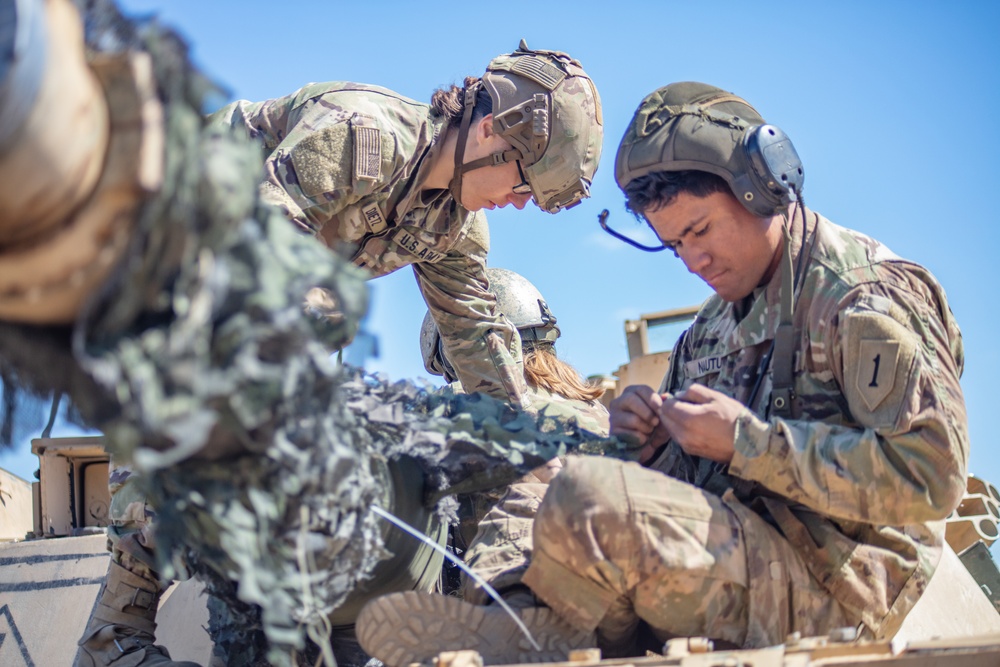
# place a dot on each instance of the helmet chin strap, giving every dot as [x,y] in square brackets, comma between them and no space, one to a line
[463,134]
[490,160]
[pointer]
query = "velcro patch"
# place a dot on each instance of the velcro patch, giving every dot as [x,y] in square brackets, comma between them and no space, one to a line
[878,365]
[411,244]
[374,218]
[367,153]
[320,161]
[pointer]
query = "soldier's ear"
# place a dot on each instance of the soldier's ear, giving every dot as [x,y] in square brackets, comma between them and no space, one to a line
[484,128]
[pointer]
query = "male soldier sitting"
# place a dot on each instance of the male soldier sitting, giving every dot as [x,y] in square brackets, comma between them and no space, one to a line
[807,443]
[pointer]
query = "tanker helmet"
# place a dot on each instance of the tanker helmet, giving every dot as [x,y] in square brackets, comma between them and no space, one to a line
[547,107]
[695,126]
[517,298]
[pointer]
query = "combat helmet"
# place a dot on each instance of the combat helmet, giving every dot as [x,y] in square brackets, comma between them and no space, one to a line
[547,107]
[517,298]
[695,126]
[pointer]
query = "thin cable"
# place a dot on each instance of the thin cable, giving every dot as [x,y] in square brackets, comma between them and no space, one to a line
[47,431]
[402,525]
[306,568]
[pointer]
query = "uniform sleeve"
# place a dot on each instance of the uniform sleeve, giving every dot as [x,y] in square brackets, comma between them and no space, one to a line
[481,344]
[895,353]
[328,161]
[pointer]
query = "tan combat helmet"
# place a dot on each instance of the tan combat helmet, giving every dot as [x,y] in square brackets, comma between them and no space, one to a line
[520,302]
[695,126]
[547,107]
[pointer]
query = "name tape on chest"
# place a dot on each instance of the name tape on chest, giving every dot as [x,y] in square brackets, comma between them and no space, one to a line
[411,244]
[373,218]
[367,153]
[697,368]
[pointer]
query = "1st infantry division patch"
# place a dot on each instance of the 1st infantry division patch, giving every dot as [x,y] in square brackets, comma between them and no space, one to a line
[878,364]
[876,374]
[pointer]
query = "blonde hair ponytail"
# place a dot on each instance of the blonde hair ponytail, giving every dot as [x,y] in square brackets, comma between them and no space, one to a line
[542,369]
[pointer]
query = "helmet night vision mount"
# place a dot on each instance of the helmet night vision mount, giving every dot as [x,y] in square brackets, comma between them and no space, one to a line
[548,109]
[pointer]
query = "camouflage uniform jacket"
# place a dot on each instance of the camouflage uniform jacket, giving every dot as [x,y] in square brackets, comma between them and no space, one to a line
[874,457]
[590,415]
[345,161]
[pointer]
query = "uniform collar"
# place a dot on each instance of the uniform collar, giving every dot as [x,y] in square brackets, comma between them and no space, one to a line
[415,197]
[772,291]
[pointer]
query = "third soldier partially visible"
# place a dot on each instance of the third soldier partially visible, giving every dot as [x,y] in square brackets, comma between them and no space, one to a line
[495,530]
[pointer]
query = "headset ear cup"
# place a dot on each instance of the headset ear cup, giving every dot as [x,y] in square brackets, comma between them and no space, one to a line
[775,169]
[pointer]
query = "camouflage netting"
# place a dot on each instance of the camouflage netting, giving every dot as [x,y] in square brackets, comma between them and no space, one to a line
[198,362]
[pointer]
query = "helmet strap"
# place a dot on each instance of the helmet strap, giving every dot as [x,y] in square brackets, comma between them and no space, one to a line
[491,160]
[463,135]
[783,379]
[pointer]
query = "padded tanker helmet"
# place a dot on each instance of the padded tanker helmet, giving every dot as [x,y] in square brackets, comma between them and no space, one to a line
[547,107]
[695,126]
[517,298]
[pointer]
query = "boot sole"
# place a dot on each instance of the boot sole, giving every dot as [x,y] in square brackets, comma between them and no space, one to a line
[404,628]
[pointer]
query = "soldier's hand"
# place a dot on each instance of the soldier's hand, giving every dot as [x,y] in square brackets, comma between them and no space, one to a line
[703,422]
[636,414]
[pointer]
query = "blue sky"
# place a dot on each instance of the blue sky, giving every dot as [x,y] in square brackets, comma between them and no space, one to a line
[892,106]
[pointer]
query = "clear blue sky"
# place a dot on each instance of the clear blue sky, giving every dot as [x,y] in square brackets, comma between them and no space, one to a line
[893,107]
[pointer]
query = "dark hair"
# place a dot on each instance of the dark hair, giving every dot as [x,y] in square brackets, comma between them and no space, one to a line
[450,102]
[658,189]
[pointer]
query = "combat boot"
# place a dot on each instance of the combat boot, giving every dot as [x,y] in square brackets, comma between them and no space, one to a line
[121,627]
[413,627]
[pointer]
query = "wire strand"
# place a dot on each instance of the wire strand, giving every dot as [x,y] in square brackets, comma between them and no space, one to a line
[402,525]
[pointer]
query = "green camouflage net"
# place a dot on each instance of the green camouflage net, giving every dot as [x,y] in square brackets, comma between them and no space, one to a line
[199,363]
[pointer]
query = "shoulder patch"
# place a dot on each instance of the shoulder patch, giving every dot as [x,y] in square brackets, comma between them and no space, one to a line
[878,367]
[367,153]
[321,160]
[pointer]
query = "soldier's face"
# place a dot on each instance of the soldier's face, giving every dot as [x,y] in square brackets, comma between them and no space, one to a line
[490,187]
[728,247]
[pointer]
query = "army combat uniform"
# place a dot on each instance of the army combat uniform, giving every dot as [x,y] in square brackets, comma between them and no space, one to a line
[345,161]
[500,548]
[833,517]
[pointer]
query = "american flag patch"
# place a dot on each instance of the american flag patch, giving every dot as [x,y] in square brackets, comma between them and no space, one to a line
[367,153]
[539,71]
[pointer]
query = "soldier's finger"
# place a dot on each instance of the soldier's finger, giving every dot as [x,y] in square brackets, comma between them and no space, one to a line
[629,422]
[679,416]
[646,406]
[696,393]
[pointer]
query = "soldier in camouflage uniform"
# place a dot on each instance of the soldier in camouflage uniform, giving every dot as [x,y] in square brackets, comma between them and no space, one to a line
[495,526]
[804,449]
[392,182]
